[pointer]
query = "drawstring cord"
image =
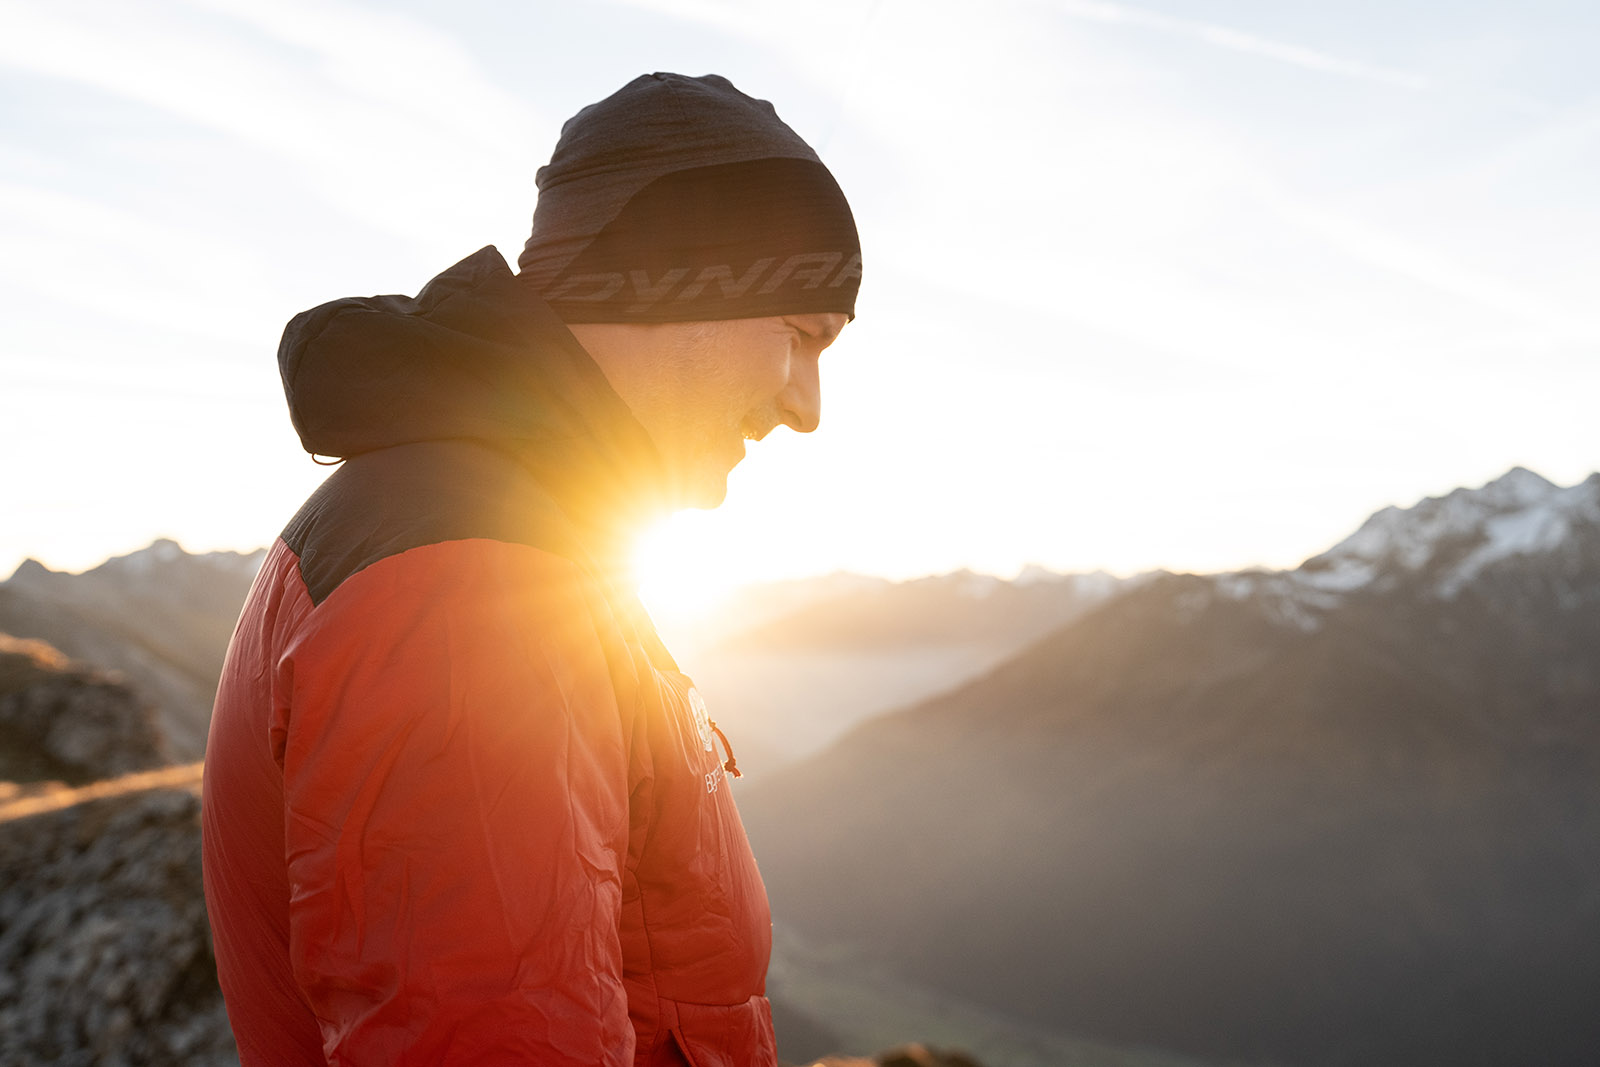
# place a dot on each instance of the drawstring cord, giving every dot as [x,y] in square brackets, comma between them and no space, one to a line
[731,765]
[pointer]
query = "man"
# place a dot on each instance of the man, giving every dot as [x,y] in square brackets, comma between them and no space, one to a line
[460,805]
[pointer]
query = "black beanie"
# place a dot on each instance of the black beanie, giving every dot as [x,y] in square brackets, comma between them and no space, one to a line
[678,199]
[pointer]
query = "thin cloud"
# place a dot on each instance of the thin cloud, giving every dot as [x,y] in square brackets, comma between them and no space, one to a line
[1239,41]
[389,59]
[334,105]
[731,18]
[92,255]
[1407,259]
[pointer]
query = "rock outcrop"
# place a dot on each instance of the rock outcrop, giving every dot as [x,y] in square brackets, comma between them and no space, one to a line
[61,721]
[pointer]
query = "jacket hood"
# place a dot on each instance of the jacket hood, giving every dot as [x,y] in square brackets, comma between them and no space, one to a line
[474,356]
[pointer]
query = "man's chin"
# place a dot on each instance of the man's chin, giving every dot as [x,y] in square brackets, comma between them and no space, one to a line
[702,493]
[702,483]
[706,497]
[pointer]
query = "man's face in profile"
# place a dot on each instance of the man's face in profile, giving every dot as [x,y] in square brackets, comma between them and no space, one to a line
[713,385]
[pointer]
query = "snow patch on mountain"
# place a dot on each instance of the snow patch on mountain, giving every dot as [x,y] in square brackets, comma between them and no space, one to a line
[1284,598]
[1341,574]
[1518,512]
[1543,525]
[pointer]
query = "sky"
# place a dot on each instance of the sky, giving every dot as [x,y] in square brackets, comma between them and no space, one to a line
[1182,284]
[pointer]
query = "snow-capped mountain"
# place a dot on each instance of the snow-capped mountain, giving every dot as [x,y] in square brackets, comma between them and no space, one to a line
[1435,549]
[1450,540]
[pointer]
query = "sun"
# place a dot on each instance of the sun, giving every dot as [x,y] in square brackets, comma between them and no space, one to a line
[684,576]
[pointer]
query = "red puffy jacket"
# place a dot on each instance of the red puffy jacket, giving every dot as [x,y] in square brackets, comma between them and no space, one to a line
[460,805]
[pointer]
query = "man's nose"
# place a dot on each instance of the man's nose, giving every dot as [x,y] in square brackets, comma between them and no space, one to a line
[801,399]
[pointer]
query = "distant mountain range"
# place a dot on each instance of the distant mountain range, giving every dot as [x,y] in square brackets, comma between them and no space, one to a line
[160,616]
[784,685]
[1347,814]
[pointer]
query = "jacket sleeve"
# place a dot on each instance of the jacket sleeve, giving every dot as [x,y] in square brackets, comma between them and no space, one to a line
[455,780]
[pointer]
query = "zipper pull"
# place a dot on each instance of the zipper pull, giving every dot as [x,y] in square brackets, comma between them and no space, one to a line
[730,765]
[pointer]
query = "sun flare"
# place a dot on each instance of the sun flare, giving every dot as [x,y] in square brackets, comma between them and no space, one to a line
[684,576]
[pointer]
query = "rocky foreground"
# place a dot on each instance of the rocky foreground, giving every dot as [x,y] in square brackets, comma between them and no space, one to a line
[105,956]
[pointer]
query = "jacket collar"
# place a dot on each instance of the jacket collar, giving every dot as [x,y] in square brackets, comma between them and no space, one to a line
[475,355]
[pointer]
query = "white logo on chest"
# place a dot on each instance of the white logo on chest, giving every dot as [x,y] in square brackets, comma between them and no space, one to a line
[702,718]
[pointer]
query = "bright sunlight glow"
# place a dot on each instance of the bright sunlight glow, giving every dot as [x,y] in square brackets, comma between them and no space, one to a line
[684,576]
